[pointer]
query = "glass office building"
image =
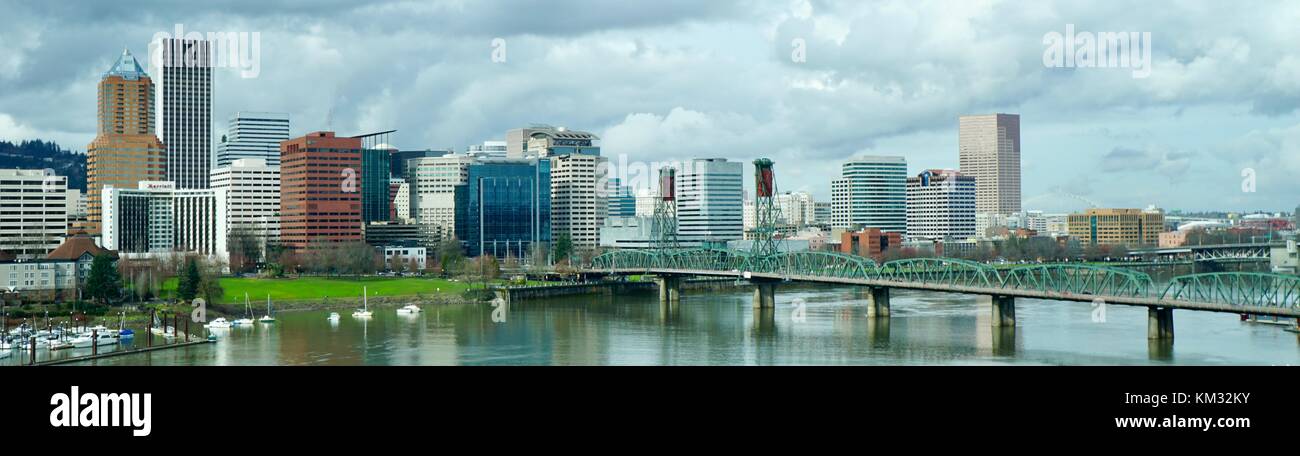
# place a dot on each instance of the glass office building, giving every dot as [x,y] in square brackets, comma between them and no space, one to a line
[504,208]
[374,185]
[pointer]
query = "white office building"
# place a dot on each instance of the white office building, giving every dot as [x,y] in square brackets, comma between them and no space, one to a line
[433,190]
[252,197]
[871,193]
[797,208]
[33,211]
[253,135]
[489,149]
[578,210]
[940,205]
[710,201]
[158,218]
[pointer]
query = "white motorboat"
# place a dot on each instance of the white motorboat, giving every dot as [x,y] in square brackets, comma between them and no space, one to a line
[334,317]
[267,318]
[409,309]
[364,311]
[219,323]
[100,338]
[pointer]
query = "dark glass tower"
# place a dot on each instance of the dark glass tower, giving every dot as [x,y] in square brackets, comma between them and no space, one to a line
[505,207]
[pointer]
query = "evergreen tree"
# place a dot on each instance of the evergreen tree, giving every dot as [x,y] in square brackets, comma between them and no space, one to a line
[104,284]
[188,282]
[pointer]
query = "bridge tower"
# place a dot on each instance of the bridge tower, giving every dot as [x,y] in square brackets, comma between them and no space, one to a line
[665,218]
[766,212]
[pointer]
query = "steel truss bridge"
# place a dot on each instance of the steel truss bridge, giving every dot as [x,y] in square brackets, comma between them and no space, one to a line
[1232,292]
[1224,253]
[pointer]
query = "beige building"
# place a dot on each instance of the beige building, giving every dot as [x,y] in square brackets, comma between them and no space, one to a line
[577,209]
[989,149]
[125,150]
[1130,227]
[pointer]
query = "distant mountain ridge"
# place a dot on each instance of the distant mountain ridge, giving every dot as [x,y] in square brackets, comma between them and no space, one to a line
[37,154]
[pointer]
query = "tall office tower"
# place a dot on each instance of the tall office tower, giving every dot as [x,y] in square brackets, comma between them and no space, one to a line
[577,209]
[320,186]
[621,201]
[797,208]
[185,110]
[710,198]
[517,139]
[489,149]
[940,205]
[433,183]
[399,200]
[375,199]
[645,202]
[400,160]
[252,198]
[158,218]
[561,141]
[253,135]
[125,150]
[989,150]
[34,219]
[504,208]
[871,193]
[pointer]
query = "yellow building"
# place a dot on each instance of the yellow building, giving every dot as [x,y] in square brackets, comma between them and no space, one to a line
[1130,227]
[125,150]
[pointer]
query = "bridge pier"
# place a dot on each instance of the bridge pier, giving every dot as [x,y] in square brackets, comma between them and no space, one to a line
[878,302]
[1160,323]
[764,295]
[670,289]
[1004,311]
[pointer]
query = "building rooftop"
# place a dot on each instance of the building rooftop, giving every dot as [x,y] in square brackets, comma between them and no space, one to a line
[77,245]
[126,67]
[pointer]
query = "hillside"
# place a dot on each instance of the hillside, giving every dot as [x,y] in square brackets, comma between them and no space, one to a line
[39,154]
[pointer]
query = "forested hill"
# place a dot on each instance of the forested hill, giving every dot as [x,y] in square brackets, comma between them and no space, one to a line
[37,154]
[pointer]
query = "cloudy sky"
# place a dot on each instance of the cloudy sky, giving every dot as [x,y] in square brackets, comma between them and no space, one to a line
[808,83]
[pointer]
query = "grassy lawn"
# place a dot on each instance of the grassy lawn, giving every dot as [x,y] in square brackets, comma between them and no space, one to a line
[308,288]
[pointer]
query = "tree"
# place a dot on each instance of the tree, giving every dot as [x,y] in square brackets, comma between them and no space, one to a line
[104,284]
[563,248]
[187,286]
[450,257]
[245,249]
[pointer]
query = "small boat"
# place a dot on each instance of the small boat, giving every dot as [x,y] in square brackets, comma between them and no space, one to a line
[246,321]
[5,354]
[409,309]
[364,311]
[122,332]
[60,344]
[101,338]
[334,317]
[267,318]
[219,323]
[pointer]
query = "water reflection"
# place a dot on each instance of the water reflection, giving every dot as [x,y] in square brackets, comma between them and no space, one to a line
[723,328]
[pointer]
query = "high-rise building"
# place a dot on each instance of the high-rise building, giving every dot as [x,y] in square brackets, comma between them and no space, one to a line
[252,198]
[578,209]
[989,150]
[320,190]
[517,139]
[185,110]
[399,199]
[489,149]
[34,212]
[710,201]
[504,208]
[125,150]
[253,135]
[940,205]
[433,183]
[797,208]
[1129,227]
[622,203]
[375,199]
[822,212]
[549,142]
[646,200]
[871,193]
[400,160]
[157,218]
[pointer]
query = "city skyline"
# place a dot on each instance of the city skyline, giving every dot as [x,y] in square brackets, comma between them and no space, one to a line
[1196,124]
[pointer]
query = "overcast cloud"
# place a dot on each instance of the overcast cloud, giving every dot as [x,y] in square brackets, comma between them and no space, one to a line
[676,79]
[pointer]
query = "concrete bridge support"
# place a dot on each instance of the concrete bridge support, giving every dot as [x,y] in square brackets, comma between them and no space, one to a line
[1160,323]
[878,302]
[670,289]
[1004,311]
[764,295]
